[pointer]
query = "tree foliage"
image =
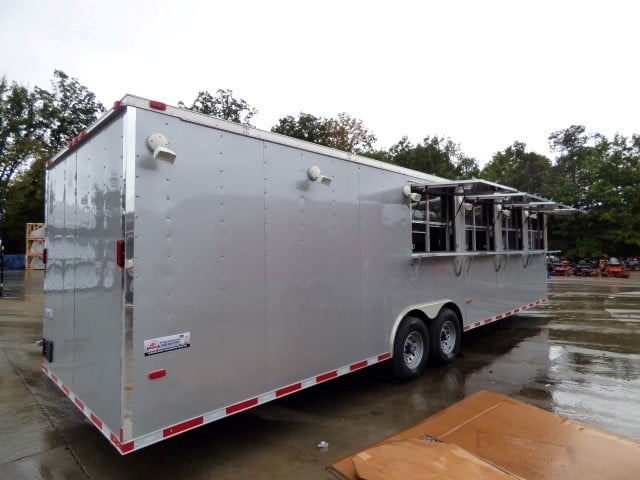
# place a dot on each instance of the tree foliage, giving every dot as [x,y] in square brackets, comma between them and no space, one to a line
[65,110]
[35,124]
[597,174]
[349,134]
[343,133]
[306,127]
[222,105]
[21,136]
[515,167]
[601,176]
[593,173]
[435,155]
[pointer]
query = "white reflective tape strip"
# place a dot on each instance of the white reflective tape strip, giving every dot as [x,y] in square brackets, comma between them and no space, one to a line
[148,439]
[267,397]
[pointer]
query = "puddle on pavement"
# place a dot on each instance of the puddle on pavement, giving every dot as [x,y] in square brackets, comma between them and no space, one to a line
[22,284]
[583,363]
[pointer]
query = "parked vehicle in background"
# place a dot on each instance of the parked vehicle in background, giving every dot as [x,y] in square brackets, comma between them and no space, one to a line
[633,264]
[615,269]
[586,268]
[559,269]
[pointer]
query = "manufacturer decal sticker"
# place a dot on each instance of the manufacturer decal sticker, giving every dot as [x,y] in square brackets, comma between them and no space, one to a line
[166,344]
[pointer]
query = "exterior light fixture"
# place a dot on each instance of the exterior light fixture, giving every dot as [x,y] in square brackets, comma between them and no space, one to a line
[159,145]
[315,175]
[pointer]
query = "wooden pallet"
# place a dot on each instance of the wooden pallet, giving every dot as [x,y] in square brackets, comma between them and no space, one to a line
[34,246]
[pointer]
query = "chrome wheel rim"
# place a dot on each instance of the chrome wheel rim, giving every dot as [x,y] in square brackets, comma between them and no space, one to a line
[448,337]
[413,350]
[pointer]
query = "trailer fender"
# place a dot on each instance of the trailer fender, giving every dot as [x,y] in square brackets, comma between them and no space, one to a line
[430,309]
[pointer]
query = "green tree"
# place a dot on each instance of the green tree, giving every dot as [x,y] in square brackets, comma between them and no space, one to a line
[66,110]
[34,125]
[600,176]
[435,155]
[515,167]
[466,168]
[21,135]
[613,202]
[306,127]
[343,133]
[578,152]
[349,134]
[223,105]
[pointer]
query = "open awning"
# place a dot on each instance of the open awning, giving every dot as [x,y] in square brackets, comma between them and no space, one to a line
[483,190]
[465,188]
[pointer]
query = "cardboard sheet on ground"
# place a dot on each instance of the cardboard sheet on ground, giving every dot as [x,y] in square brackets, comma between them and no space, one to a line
[508,436]
[419,460]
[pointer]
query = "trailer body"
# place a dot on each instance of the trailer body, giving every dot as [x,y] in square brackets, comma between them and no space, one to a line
[196,281]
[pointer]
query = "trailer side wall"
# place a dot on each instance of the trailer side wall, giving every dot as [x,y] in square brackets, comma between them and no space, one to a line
[83,284]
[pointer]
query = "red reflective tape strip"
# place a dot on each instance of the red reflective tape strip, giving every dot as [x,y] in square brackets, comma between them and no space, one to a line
[289,389]
[477,324]
[467,327]
[384,356]
[54,378]
[79,403]
[96,420]
[66,390]
[531,304]
[498,317]
[117,104]
[326,376]
[537,302]
[126,447]
[181,427]
[358,365]
[508,314]
[46,370]
[123,447]
[516,310]
[242,406]
[122,434]
[157,105]
[488,320]
[157,374]
[543,300]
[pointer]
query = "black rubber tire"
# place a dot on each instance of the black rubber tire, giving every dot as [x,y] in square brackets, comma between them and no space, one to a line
[445,337]
[410,349]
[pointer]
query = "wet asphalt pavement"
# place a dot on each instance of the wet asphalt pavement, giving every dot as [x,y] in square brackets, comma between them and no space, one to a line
[578,356]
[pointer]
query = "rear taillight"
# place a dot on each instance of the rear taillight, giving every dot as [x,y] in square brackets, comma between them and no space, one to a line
[120,253]
[44,256]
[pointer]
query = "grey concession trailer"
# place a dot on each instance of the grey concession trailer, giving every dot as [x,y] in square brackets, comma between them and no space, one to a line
[196,268]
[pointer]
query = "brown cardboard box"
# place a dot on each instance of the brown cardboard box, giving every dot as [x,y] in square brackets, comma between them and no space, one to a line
[517,439]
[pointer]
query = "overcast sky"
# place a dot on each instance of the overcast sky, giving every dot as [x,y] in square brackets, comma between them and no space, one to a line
[484,73]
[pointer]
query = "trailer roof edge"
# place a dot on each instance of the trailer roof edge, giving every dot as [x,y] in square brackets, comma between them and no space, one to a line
[246,130]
